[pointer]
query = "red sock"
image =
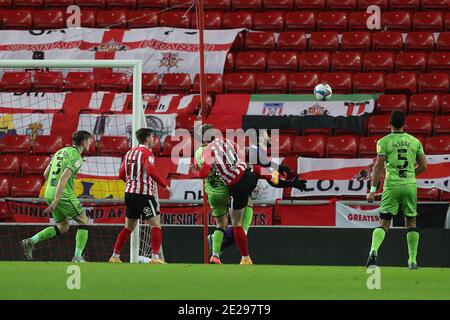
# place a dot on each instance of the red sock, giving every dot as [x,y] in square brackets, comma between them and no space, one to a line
[241,240]
[156,239]
[122,238]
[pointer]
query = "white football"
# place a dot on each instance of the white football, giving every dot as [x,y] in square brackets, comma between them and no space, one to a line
[323,91]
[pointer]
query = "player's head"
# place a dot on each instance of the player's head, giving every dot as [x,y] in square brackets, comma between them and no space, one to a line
[146,137]
[205,133]
[397,120]
[82,139]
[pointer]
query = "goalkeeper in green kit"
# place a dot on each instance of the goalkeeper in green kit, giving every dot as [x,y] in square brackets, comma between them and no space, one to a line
[398,152]
[61,199]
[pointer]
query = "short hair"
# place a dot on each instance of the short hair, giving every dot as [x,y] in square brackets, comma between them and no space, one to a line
[201,130]
[79,137]
[142,134]
[397,118]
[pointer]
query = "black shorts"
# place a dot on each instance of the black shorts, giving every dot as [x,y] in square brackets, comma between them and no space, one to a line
[140,206]
[241,190]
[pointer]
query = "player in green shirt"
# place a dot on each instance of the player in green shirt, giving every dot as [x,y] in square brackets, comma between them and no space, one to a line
[60,196]
[398,152]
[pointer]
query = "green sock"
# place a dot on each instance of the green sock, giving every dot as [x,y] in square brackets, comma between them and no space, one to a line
[377,238]
[45,234]
[412,236]
[81,239]
[247,218]
[217,241]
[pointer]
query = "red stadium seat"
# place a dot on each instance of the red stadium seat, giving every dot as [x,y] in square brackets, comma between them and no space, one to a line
[388,41]
[423,41]
[434,82]
[214,83]
[424,103]
[340,82]
[180,4]
[9,165]
[342,147]
[251,61]
[303,82]
[442,125]
[396,21]
[34,4]
[310,4]
[431,194]
[111,19]
[57,3]
[428,21]
[282,61]
[212,20]
[272,82]
[126,4]
[180,142]
[16,82]
[18,19]
[368,147]
[404,4]
[324,41]
[229,62]
[95,4]
[268,21]
[143,19]
[5,215]
[315,61]
[332,21]
[439,61]
[388,102]
[278,4]
[402,82]
[113,146]
[47,144]
[358,21]
[301,21]
[176,83]
[6,4]
[378,125]
[379,62]
[153,4]
[361,41]
[233,20]
[435,5]
[174,19]
[411,61]
[437,145]
[150,83]
[284,144]
[363,4]
[239,42]
[445,104]
[346,61]
[79,81]
[292,40]
[318,131]
[250,5]
[223,5]
[14,144]
[48,81]
[419,125]
[369,82]
[5,185]
[88,18]
[26,187]
[49,19]
[310,146]
[443,42]
[344,5]
[115,81]
[239,82]
[260,41]
[34,165]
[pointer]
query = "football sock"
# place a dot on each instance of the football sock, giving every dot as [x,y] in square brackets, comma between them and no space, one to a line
[81,240]
[241,240]
[377,238]
[412,236]
[228,238]
[247,218]
[45,234]
[218,236]
[156,239]
[122,238]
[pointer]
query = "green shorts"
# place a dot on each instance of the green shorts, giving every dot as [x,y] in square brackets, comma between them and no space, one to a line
[218,203]
[402,198]
[67,208]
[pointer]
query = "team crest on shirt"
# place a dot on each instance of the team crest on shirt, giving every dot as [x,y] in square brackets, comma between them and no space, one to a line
[169,60]
[315,110]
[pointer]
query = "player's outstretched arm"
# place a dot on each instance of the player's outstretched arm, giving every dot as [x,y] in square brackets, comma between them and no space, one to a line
[421,163]
[376,176]
[59,189]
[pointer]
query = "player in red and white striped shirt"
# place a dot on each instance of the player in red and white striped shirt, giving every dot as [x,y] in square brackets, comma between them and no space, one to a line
[141,194]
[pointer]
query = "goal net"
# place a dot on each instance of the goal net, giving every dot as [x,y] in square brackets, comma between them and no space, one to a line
[42,102]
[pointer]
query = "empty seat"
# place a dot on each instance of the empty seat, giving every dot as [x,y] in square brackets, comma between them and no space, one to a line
[303,82]
[423,41]
[301,21]
[437,145]
[5,185]
[149,82]
[6,4]
[48,81]
[16,82]
[251,61]
[379,61]
[402,82]
[364,4]
[378,125]
[26,187]
[315,61]
[127,4]
[153,4]
[341,82]
[310,146]
[14,144]
[79,81]
[388,41]
[396,21]
[217,4]
[260,41]
[435,5]
[271,82]
[361,41]
[34,165]
[270,21]
[180,4]
[342,147]
[424,103]
[95,4]
[49,19]
[278,4]
[239,82]
[292,40]
[434,82]
[250,5]
[445,104]
[35,4]
[310,4]
[282,61]
[113,146]
[439,61]
[442,125]
[233,20]
[143,19]
[9,165]
[411,61]
[88,18]
[428,21]
[18,19]
[388,102]
[229,62]
[176,83]
[371,82]
[344,5]
[404,4]
[419,124]
[368,147]
[332,21]
[346,61]
[115,81]
[111,19]
[214,83]
[47,144]
[358,21]
[324,41]
[443,42]
[212,20]
[174,19]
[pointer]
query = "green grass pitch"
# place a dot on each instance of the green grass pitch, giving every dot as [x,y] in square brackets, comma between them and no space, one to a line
[47,280]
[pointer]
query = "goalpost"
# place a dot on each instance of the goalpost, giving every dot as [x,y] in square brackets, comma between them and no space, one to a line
[138,117]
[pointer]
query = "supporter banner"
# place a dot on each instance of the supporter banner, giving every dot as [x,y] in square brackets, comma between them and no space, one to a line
[357,216]
[292,111]
[31,124]
[161,50]
[352,176]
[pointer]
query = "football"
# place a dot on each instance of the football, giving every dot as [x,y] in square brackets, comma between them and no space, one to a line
[323,91]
